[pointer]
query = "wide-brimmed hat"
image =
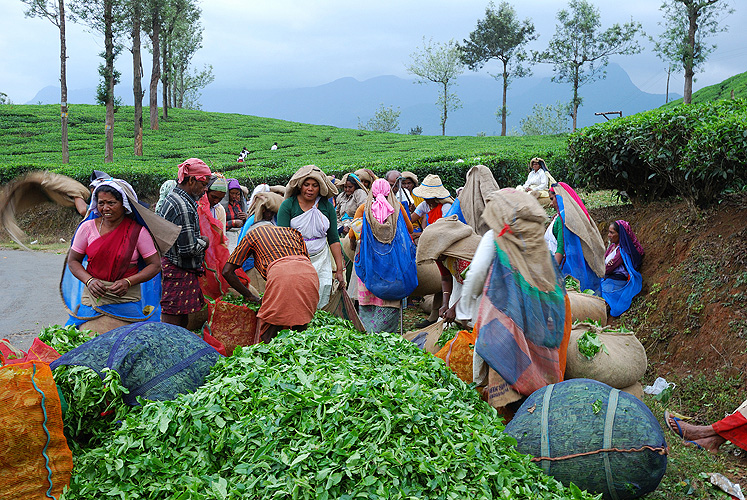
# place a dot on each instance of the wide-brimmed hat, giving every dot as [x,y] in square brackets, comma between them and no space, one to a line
[326,187]
[431,187]
[541,162]
[409,175]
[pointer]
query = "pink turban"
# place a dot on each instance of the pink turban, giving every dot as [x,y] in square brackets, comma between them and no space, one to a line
[193,167]
[381,208]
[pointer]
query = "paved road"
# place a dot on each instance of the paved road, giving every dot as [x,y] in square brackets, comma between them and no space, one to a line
[29,294]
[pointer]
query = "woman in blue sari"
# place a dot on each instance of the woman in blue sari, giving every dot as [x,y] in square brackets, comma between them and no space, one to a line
[622,278]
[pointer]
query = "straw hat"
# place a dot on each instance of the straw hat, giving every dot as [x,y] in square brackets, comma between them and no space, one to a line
[431,187]
[409,175]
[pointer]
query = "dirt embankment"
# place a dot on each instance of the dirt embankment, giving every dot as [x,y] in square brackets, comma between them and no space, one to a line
[692,312]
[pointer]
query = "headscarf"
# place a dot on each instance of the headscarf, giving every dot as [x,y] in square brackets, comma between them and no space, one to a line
[630,243]
[166,188]
[326,188]
[264,201]
[96,177]
[409,175]
[380,207]
[261,188]
[384,231]
[540,161]
[366,175]
[193,167]
[478,186]
[573,195]
[218,183]
[120,186]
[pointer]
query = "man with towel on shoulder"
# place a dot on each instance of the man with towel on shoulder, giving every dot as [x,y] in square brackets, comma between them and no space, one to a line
[182,264]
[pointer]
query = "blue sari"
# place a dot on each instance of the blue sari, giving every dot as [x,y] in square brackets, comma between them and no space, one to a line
[617,292]
[575,264]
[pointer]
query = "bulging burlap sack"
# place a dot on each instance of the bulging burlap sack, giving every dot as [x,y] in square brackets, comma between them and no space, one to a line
[622,367]
[585,307]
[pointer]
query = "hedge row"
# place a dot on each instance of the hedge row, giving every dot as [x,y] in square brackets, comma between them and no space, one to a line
[695,151]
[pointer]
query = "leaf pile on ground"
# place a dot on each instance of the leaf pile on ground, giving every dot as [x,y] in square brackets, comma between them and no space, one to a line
[325,413]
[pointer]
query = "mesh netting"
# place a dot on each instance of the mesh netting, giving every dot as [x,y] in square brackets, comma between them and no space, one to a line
[571,423]
[154,360]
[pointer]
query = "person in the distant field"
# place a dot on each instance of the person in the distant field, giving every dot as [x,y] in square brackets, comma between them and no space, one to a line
[538,181]
[274,147]
[242,156]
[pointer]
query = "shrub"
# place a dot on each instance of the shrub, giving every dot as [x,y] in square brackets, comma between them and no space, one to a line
[695,151]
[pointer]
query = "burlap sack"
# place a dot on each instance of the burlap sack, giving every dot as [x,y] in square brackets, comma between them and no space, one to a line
[634,390]
[426,305]
[586,307]
[103,324]
[624,365]
[432,333]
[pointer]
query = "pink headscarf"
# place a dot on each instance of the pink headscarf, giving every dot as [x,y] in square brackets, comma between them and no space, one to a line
[380,207]
[575,197]
[194,167]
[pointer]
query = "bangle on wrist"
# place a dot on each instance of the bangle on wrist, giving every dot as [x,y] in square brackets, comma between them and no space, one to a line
[129,283]
[89,281]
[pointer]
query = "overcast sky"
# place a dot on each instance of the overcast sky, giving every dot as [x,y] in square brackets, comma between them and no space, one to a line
[293,43]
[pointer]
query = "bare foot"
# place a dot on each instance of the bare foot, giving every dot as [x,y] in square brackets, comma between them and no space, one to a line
[702,435]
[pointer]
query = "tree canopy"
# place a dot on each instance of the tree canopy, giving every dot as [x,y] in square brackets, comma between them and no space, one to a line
[580,50]
[442,64]
[501,36]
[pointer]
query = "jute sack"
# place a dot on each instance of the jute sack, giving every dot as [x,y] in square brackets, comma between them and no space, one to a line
[430,334]
[622,367]
[634,390]
[426,305]
[585,307]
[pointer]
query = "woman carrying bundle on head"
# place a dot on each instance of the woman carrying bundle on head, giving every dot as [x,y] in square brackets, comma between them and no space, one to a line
[384,259]
[574,240]
[524,319]
[115,257]
[307,208]
[622,278]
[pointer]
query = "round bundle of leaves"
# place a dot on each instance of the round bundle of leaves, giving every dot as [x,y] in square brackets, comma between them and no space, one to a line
[325,413]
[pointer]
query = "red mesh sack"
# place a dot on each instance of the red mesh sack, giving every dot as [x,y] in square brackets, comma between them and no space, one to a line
[231,324]
[35,461]
[39,351]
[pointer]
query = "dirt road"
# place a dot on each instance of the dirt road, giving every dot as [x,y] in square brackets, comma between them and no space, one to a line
[29,294]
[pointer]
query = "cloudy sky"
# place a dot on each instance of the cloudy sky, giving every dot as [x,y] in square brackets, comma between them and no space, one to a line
[294,43]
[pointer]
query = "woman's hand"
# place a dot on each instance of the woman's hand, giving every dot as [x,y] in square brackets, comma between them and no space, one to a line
[97,288]
[119,287]
[448,313]
[340,276]
[242,217]
[238,222]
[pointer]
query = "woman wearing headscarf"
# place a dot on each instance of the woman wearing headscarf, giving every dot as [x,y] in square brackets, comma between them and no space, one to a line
[113,264]
[622,278]
[437,200]
[353,195]
[166,188]
[366,176]
[471,201]
[307,209]
[538,181]
[574,240]
[376,314]
[524,320]
[235,213]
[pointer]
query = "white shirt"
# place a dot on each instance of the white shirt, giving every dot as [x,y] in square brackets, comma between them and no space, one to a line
[537,181]
[422,210]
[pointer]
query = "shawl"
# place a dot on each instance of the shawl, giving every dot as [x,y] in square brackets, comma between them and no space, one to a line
[479,184]
[630,243]
[518,221]
[447,236]
[326,188]
[580,223]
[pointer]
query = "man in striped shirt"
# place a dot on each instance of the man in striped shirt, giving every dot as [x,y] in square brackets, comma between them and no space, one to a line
[292,290]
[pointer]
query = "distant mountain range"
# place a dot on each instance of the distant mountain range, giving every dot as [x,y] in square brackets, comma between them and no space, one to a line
[347,101]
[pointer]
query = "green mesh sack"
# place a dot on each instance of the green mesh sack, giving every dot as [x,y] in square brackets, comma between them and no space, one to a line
[601,439]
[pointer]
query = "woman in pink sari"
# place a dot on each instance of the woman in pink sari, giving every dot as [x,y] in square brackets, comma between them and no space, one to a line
[121,254]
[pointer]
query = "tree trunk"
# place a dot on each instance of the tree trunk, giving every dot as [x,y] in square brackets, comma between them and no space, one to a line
[63,85]
[503,107]
[689,55]
[109,47]
[669,73]
[165,80]
[137,76]
[155,73]
[575,99]
[445,112]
